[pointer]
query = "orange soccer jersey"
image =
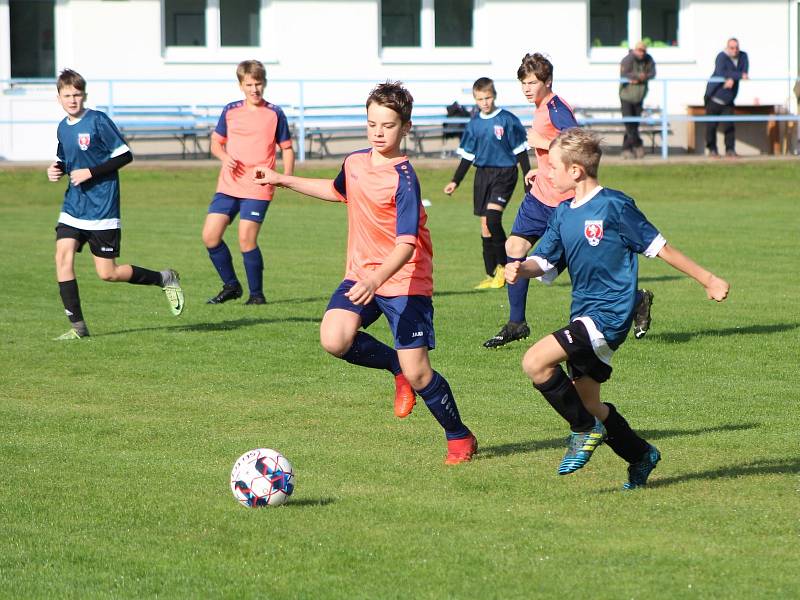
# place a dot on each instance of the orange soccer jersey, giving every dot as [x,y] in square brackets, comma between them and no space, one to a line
[250,134]
[551,117]
[384,209]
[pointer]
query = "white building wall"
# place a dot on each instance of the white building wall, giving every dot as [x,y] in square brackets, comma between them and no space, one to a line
[340,39]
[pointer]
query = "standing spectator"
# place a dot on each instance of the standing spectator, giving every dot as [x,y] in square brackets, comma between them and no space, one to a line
[731,65]
[638,67]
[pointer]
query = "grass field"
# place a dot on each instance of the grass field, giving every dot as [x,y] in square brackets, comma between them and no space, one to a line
[115,451]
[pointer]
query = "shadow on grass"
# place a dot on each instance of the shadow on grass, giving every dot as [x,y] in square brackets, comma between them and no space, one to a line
[214,326]
[760,467]
[309,502]
[685,336]
[661,278]
[655,434]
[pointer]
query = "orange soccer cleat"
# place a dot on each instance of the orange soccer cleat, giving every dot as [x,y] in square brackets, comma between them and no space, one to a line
[461,450]
[404,398]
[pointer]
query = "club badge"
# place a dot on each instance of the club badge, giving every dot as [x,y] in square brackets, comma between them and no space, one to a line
[498,132]
[593,230]
[84,140]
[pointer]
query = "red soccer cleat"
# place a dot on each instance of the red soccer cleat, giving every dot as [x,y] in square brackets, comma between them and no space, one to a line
[462,450]
[404,398]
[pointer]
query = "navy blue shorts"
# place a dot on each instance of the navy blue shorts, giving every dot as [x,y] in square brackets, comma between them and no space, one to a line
[532,218]
[410,317]
[248,209]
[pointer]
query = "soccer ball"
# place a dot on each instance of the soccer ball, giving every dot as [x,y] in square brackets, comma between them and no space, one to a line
[262,477]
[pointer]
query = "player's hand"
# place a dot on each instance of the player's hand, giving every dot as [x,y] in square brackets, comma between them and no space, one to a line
[363,291]
[529,177]
[717,289]
[450,188]
[512,271]
[78,176]
[54,172]
[728,83]
[265,176]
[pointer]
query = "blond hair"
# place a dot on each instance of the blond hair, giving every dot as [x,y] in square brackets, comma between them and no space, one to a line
[579,147]
[254,68]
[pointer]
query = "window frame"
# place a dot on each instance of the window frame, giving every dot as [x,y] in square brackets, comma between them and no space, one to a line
[427,52]
[683,53]
[214,52]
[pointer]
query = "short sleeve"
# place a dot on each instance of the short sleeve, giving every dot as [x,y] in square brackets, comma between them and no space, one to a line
[408,202]
[561,115]
[549,253]
[638,233]
[110,136]
[60,152]
[468,146]
[222,125]
[282,133]
[340,184]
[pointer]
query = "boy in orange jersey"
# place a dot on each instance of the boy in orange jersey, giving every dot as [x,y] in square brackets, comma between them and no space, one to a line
[246,135]
[389,265]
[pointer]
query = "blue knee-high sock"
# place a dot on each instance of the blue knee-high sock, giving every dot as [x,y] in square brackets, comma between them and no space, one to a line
[223,263]
[366,351]
[517,295]
[254,267]
[439,400]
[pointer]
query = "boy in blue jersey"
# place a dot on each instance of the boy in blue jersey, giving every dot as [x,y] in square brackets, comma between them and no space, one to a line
[494,141]
[598,235]
[91,150]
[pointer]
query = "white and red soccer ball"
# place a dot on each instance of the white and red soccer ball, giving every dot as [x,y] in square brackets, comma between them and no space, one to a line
[262,477]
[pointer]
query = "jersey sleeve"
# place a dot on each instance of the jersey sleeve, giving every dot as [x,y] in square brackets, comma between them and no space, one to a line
[60,152]
[517,137]
[560,114]
[340,185]
[468,146]
[549,254]
[407,201]
[221,130]
[283,136]
[638,233]
[110,136]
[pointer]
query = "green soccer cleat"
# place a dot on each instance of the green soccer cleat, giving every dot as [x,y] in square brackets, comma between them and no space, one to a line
[638,472]
[72,334]
[581,447]
[173,291]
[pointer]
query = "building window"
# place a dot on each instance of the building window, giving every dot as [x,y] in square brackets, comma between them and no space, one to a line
[32,41]
[238,22]
[212,23]
[615,23]
[427,23]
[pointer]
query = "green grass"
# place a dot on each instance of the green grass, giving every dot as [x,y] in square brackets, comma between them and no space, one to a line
[115,451]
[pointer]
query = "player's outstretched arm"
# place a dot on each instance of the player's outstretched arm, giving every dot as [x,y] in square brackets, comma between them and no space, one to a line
[317,188]
[716,288]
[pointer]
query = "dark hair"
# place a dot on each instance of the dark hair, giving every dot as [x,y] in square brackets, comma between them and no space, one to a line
[254,68]
[392,94]
[536,64]
[484,83]
[73,78]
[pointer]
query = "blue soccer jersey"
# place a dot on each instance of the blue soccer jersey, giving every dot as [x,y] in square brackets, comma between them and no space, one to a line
[493,140]
[599,237]
[89,142]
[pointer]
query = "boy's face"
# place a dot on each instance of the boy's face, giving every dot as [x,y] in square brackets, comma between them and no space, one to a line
[71,100]
[533,89]
[484,100]
[563,177]
[385,130]
[253,90]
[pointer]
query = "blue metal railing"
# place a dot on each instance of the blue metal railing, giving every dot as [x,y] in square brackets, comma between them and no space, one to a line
[301,113]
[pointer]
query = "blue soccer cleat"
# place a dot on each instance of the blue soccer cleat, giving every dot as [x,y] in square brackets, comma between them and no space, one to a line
[638,472]
[581,447]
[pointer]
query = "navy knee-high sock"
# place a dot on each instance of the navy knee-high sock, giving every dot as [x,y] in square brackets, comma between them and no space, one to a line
[223,263]
[517,295]
[254,267]
[439,400]
[366,351]
[560,392]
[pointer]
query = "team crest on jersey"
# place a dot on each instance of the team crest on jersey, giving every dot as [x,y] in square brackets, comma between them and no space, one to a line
[83,140]
[593,230]
[498,132]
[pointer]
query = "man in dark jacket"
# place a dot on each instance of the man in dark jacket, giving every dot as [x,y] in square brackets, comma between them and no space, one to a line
[731,65]
[636,69]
